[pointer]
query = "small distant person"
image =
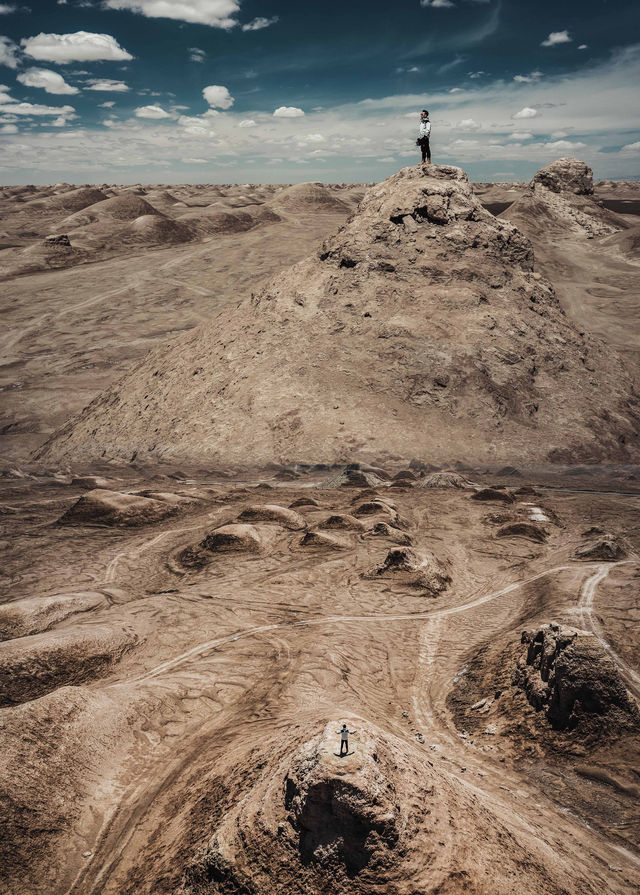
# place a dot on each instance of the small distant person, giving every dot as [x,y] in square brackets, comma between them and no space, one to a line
[344,739]
[424,133]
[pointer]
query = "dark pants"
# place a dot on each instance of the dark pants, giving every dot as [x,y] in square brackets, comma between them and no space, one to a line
[425,149]
[344,744]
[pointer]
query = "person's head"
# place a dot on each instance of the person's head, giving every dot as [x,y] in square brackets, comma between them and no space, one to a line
[344,725]
[424,114]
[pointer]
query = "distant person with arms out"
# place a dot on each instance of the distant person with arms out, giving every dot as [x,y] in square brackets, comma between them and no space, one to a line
[344,739]
[424,133]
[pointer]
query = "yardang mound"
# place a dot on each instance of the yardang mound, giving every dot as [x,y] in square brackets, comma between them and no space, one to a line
[420,324]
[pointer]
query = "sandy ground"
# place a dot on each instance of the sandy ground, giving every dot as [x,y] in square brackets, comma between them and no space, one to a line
[168,713]
[227,663]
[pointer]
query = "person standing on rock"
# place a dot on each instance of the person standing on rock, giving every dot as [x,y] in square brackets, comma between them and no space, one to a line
[424,133]
[344,739]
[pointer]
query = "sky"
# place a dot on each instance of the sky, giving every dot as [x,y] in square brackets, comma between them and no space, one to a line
[284,91]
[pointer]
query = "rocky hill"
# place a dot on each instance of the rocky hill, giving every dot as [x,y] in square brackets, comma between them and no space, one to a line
[420,329]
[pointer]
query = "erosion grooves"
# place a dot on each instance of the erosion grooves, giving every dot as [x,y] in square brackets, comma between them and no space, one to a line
[242,656]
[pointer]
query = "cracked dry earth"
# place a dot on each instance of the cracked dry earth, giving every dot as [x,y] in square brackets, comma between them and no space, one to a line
[171,696]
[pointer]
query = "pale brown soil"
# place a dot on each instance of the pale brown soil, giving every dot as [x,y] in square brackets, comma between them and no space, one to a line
[179,646]
[231,665]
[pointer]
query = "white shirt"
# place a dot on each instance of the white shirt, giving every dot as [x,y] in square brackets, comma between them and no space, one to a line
[425,127]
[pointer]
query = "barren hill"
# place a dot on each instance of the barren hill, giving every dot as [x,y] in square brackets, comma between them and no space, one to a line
[420,324]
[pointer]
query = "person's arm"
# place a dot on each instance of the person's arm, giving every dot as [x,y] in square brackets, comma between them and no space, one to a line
[428,129]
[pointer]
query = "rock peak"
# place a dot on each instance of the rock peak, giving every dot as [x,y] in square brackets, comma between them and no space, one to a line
[566,175]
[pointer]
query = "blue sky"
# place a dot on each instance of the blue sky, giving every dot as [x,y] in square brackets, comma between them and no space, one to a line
[280,90]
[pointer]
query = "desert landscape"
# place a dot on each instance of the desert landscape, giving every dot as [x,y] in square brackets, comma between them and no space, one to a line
[280,458]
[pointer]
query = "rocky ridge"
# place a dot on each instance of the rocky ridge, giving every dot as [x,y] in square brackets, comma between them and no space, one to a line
[419,322]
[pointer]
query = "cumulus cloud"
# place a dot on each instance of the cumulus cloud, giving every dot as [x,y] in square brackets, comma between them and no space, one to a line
[195,161]
[217,13]
[259,23]
[631,147]
[555,38]
[81,46]
[519,136]
[106,85]
[288,112]
[218,97]
[108,105]
[8,129]
[151,112]
[6,8]
[49,81]
[528,79]
[29,109]
[196,54]
[468,124]
[247,122]
[437,4]
[564,145]
[8,52]
[527,112]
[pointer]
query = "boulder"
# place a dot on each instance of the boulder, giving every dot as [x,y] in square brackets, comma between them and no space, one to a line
[113,508]
[405,566]
[608,547]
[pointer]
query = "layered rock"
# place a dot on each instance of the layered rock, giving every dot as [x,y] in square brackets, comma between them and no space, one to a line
[419,325]
[567,673]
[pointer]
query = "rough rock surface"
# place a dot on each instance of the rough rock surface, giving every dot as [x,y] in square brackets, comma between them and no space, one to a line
[383,819]
[560,198]
[419,322]
[404,565]
[567,673]
[609,547]
[445,480]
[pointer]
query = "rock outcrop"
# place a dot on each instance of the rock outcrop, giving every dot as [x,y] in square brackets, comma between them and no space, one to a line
[567,673]
[559,199]
[385,818]
[102,507]
[420,324]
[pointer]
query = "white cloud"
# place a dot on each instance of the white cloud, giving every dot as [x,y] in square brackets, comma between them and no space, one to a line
[218,97]
[456,90]
[631,147]
[6,8]
[61,121]
[311,138]
[559,135]
[437,4]
[8,52]
[81,46]
[527,112]
[468,124]
[151,112]
[8,129]
[528,79]
[583,47]
[196,54]
[555,38]
[195,161]
[518,136]
[247,122]
[108,105]
[29,109]
[474,75]
[259,23]
[288,112]
[49,81]
[564,145]
[106,85]
[217,13]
